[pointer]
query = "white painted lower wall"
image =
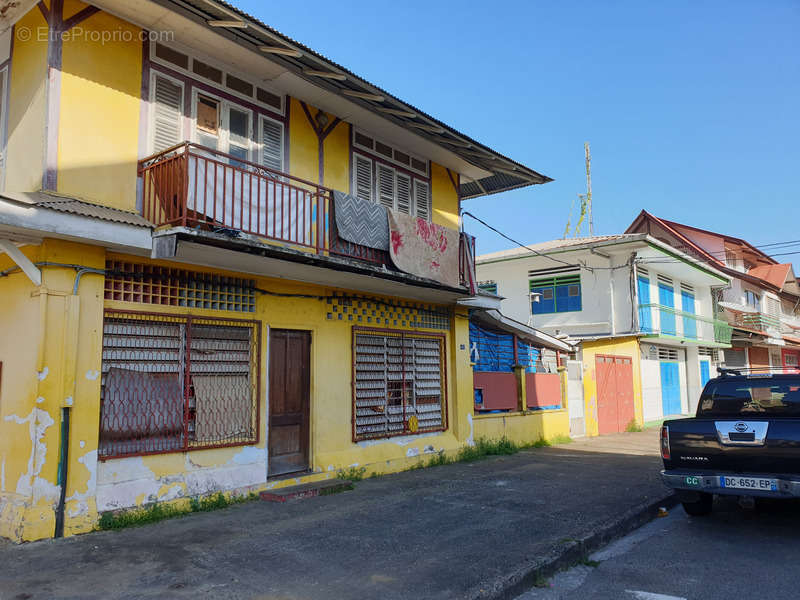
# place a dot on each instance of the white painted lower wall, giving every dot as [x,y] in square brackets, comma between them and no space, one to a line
[129,482]
[652,405]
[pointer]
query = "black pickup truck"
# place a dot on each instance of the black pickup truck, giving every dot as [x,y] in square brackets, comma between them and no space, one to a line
[744,441]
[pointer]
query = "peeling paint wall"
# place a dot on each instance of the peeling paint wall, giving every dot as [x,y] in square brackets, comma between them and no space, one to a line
[53,337]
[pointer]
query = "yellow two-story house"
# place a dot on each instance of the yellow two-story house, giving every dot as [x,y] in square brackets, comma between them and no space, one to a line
[226,263]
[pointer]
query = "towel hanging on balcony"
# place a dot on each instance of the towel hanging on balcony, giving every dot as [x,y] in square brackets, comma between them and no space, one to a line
[424,249]
[361,221]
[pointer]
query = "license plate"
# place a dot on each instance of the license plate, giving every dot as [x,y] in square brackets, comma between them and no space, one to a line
[749,483]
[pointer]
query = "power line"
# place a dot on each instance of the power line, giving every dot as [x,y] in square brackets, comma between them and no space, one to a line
[521,245]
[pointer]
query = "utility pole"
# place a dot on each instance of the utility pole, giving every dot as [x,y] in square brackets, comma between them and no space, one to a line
[586,200]
[589,187]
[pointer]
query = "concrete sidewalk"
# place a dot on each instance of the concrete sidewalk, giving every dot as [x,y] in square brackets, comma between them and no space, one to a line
[469,530]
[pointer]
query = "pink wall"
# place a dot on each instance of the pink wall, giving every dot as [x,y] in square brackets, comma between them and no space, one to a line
[499,389]
[542,389]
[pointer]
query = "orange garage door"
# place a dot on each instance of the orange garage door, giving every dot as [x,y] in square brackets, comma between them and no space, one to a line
[614,392]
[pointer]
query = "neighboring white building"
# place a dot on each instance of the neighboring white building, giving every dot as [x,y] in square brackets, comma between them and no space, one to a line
[762,302]
[632,301]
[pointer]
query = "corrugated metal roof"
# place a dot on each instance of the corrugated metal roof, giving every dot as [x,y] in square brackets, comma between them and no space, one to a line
[545,247]
[77,207]
[475,153]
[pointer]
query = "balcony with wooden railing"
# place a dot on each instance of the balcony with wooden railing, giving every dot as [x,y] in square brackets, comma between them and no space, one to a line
[757,321]
[197,187]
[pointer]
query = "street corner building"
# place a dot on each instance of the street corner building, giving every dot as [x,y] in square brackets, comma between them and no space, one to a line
[228,264]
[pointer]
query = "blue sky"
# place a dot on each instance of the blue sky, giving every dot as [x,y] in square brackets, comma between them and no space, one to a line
[692,109]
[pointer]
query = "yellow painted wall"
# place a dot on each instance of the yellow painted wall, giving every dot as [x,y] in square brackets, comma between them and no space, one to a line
[99,125]
[55,357]
[27,106]
[444,196]
[523,428]
[303,146]
[618,347]
[337,158]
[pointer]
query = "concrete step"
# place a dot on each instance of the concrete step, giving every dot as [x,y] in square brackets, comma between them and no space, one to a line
[307,490]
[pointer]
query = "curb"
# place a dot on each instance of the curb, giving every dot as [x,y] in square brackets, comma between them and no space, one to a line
[520,581]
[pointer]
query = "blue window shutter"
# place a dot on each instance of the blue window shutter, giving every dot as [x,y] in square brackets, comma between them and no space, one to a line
[544,306]
[562,298]
[645,313]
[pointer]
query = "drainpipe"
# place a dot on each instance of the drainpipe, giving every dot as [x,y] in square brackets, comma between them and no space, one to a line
[63,461]
[72,327]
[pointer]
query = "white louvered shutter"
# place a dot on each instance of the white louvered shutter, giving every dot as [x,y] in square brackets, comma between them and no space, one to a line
[362,178]
[386,186]
[167,113]
[422,200]
[404,193]
[272,144]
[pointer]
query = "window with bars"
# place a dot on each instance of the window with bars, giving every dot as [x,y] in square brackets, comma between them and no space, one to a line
[174,383]
[398,384]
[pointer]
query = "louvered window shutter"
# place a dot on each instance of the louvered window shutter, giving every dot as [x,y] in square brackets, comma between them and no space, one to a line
[386,186]
[362,184]
[167,114]
[272,144]
[404,193]
[422,198]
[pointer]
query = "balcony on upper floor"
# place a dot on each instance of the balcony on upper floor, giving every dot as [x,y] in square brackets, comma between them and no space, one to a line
[195,187]
[666,322]
[758,322]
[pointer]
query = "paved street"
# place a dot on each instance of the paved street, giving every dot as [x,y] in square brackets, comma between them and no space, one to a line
[468,530]
[734,553]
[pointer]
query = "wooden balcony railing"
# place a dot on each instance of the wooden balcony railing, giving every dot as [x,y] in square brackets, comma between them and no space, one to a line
[758,321]
[194,186]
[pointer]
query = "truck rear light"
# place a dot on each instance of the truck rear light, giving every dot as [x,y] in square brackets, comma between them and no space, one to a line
[665,442]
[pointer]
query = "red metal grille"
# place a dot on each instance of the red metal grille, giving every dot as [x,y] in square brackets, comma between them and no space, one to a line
[175,383]
[152,284]
[398,378]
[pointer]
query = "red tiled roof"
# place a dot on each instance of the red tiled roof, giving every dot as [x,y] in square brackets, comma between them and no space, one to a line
[774,274]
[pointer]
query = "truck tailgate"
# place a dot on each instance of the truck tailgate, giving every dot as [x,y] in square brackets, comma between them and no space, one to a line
[697,444]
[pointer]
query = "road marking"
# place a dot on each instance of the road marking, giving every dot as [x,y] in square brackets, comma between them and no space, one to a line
[651,596]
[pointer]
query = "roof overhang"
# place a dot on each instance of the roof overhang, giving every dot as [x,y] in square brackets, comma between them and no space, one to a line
[30,223]
[497,320]
[294,69]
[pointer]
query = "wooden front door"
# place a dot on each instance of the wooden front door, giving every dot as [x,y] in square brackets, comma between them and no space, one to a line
[614,393]
[289,400]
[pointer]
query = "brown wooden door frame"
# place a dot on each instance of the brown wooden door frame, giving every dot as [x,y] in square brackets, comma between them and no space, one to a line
[289,414]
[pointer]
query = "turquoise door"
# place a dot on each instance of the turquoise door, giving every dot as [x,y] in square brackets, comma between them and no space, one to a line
[645,313]
[670,389]
[666,297]
[705,372]
[689,324]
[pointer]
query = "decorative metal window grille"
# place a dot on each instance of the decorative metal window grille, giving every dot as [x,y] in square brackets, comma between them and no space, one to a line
[713,353]
[177,383]
[398,384]
[667,354]
[167,286]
